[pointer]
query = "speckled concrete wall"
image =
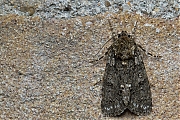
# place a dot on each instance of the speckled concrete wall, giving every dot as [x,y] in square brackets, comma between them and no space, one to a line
[45,69]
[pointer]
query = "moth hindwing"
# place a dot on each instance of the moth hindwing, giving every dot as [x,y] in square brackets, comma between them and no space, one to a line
[125,82]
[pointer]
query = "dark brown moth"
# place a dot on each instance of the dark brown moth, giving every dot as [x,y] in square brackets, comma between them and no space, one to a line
[125,82]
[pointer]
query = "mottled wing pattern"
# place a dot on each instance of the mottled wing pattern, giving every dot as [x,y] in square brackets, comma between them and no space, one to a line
[125,86]
[111,104]
[140,100]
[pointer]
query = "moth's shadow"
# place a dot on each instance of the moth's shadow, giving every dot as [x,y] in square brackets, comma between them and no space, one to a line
[126,114]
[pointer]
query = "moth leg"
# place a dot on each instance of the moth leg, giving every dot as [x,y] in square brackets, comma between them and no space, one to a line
[97,83]
[148,52]
[92,61]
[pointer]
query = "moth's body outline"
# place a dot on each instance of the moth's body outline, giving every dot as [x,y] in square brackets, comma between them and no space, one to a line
[125,82]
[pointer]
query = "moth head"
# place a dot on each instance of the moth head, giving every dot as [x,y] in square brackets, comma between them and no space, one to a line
[124,34]
[124,46]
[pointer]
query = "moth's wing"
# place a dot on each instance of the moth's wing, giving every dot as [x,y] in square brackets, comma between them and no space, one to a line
[112,103]
[140,101]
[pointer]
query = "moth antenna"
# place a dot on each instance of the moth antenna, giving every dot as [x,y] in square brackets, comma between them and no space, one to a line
[134,30]
[111,28]
[113,35]
[103,46]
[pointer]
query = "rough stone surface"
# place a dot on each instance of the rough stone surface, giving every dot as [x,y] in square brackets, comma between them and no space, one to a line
[45,9]
[45,69]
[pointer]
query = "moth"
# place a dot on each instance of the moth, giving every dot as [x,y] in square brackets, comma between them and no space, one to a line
[125,82]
